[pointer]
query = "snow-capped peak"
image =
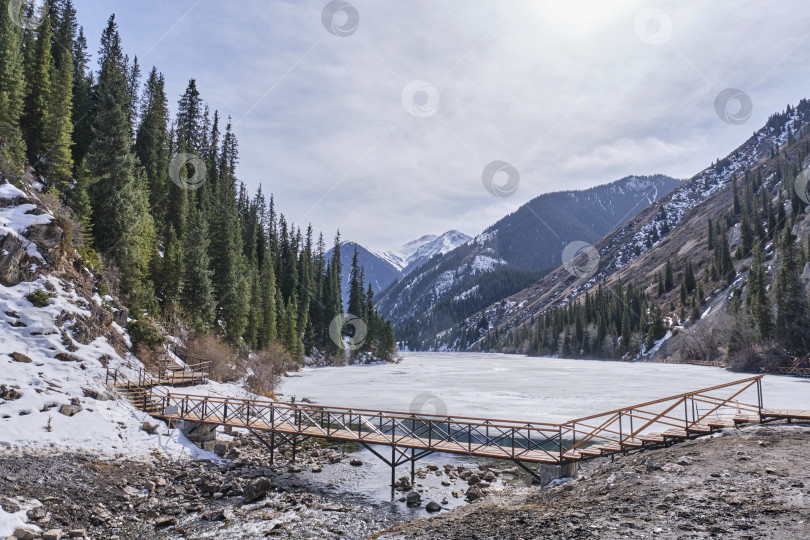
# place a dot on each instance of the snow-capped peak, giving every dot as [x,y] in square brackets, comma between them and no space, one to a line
[414,253]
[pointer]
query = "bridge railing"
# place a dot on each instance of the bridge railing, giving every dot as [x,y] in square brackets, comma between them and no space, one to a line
[499,438]
[687,413]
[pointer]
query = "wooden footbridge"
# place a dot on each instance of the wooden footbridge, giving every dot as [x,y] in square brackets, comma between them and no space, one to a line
[411,436]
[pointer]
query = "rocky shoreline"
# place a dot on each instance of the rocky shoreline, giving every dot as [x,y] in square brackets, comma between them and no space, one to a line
[750,483]
[75,495]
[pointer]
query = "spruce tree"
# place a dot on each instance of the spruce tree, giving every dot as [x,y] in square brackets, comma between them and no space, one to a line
[12,89]
[268,332]
[152,146]
[669,278]
[792,313]
[197,297]
[58,137]
[227,261]
[355,306]
[38,88]
[123,227]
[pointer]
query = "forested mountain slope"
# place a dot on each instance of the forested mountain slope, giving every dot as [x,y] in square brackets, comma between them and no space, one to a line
[720,260]
[510,255]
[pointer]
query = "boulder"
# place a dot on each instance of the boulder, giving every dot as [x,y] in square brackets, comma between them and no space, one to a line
[684,461]
[53,534]
[165,521]
[11,263]
[257,489]
[9,394]
[36,513]
[433,506]
[220,449]
[413,499]
[151,429]
[47,237]
[356,463]
[121,316]
[65,357]
[217,514]
[20,357]
[98,395]
[474,493]
[27,532]
[77,533]
[69,410]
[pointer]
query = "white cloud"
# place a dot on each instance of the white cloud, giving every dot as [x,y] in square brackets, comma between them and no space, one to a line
[565,91]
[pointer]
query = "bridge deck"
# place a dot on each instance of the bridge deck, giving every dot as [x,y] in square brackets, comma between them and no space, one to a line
[660,422]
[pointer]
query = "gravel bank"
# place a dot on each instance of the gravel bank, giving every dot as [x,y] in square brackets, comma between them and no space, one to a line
[753,483]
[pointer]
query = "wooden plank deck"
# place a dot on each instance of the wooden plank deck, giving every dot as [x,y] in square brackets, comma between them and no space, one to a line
[459,447]
[597,435]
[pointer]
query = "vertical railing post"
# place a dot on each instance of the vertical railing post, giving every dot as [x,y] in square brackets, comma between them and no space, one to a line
[759,398]
[559,445]
[685,416]
[621,434]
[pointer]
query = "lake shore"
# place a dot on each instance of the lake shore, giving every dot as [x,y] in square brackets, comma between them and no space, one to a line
[748,483]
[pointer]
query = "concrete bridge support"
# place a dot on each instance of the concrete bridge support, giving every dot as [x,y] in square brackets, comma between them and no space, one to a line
[198,432]
[549,472]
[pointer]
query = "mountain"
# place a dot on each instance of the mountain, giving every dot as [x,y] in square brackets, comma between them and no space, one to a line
[413,254]
[511,254]
[752,197]
[383,267]
[377,270]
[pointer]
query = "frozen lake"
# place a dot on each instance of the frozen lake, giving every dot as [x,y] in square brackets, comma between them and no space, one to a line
[518,387]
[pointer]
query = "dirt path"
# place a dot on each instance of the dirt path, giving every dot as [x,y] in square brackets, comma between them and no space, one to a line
[752,483]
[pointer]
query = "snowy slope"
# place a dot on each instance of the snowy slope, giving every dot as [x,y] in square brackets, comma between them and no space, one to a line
[55,360]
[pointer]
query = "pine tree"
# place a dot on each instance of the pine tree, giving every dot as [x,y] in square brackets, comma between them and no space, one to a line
[227,260]
[669,278]
[689,277]
[197,297]
[82,99]
[792,313]
[757,290]
[38,88]
[152,146]
[123,227]
[58,135]
[12,89]
[268,284]
[355,306]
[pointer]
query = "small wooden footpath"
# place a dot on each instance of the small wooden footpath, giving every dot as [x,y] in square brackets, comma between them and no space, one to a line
[410,436]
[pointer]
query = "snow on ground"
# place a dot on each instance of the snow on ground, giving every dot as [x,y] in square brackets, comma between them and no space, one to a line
[10,521]
[32,421]
[105,427]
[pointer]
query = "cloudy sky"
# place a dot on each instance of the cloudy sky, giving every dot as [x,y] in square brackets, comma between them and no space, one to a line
[378,117]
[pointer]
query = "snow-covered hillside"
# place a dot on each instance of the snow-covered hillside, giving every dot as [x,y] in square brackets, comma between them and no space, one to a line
[53,392]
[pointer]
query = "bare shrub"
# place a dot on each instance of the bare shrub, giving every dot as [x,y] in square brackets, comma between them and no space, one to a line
[213,349]
[265,369]
[151,359]
[700,344]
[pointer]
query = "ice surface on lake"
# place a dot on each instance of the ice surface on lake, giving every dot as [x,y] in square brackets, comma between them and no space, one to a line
[521,388]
